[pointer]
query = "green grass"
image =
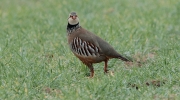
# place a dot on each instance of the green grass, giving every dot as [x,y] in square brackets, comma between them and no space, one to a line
[36,63]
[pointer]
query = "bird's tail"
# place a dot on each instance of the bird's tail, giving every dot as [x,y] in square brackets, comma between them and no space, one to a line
[127,59]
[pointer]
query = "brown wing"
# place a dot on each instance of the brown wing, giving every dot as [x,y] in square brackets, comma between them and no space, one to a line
[103,47]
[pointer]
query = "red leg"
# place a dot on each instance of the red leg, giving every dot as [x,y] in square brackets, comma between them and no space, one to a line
[90,66]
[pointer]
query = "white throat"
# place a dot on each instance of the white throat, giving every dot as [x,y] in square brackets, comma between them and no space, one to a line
[73,22]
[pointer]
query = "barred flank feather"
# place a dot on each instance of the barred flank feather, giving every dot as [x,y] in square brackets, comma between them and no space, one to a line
[84,48]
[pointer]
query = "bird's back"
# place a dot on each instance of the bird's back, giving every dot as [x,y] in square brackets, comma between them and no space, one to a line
[105,48]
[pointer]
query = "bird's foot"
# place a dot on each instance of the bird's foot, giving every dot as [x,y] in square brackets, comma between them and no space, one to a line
[106,71]
[111,73]
[90,75]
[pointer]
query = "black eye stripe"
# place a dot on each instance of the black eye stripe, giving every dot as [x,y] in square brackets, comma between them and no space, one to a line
[72,16]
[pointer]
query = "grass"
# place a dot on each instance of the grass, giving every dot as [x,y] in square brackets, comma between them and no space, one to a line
[36,63]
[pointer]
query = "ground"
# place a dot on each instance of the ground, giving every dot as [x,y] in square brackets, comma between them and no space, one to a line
[36,62]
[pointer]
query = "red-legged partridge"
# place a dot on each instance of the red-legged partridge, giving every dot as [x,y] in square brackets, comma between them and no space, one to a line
[88,47]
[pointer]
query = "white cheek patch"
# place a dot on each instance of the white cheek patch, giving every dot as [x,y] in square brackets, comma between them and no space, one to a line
[73,22]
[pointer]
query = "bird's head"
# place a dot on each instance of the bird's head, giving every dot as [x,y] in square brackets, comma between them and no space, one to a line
[73,18]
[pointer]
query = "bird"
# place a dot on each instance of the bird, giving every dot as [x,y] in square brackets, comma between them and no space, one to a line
[88,47]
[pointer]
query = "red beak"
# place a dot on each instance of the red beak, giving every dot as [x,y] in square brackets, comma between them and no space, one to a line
[73,17]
